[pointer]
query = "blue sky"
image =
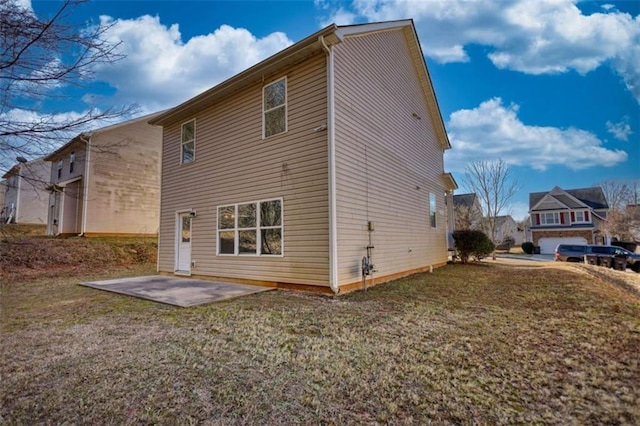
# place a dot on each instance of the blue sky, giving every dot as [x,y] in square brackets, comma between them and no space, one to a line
[552,87]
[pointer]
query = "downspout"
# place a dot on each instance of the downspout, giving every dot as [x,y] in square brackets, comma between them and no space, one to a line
[333,216]
[85,184]
[18,193]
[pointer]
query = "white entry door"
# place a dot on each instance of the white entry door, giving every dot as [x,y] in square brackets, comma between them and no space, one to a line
[183,244]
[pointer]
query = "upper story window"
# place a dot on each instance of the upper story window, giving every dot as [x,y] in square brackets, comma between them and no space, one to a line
[274,107]
[552,218]
[72,160]
[188,142]
[250,228]
[59,172]
[432,209]
[580,217]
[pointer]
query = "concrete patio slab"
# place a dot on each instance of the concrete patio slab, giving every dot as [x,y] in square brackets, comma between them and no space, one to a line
[176,291]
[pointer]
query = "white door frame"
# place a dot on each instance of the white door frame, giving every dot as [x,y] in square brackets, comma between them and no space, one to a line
[178,238]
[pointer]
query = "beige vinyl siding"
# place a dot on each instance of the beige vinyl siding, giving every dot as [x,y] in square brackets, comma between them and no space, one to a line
[78,168]
[29,193]
[124,180]
[387,161]
[234,164]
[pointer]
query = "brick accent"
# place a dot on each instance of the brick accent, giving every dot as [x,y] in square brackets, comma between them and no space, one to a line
[587,234]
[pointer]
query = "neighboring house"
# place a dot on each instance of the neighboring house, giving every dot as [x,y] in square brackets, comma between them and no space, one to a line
[573,216]
[3,192]
[507,228]
[468,212]
[107,182]
[290,172]
[25,196]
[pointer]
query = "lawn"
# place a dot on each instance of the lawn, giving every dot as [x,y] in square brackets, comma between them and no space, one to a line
[466,344]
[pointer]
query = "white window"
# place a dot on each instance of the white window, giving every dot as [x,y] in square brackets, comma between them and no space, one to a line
[250,228]
[72,160]
[59,173]
[550,218]
[432,209]
[274,107]
[580,217]
[188,145]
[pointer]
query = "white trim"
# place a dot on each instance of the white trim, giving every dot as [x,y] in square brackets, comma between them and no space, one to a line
[333,211]
[285,105]
[85,185]
[351,30]
[236,230]
[18,194]
[176,237]
[182,143]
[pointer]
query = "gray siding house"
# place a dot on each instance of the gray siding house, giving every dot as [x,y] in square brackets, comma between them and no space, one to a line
[291,172]
[107,182]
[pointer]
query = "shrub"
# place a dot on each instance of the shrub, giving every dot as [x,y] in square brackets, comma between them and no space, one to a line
[527,247]
[471,242]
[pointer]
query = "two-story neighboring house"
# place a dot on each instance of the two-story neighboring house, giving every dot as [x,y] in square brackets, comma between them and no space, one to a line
[107,181]
[25,195]
[572,216]
[291,172]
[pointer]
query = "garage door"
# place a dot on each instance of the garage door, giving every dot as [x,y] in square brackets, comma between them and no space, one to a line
[548,245]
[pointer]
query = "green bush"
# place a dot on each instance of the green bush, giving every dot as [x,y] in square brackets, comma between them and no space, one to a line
[472,243]
[527,247]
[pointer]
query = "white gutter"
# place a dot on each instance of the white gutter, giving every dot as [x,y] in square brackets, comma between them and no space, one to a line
[85,183]
[333,216]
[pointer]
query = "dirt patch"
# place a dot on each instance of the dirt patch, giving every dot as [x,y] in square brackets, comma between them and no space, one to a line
[23,259]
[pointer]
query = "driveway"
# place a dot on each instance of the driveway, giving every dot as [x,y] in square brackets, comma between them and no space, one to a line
[177,291]
[531,257]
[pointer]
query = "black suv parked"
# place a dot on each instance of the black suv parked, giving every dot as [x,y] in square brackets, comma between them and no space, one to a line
[576,252]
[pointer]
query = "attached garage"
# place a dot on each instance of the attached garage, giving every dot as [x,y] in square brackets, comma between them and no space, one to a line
[548,245]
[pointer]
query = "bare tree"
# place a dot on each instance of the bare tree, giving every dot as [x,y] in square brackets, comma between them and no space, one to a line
[622,219]
[617,192]
[495,186]
[39,58]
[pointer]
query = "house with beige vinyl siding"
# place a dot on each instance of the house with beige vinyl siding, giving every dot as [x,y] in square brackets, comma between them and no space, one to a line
[291,172]
[24,197]
[107,181]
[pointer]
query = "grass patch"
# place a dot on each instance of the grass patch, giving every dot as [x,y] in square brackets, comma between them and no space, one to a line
[478,343]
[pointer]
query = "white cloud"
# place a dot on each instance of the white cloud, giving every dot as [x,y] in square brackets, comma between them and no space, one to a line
[493,131]
[621,130]
[530,36]
[161,70]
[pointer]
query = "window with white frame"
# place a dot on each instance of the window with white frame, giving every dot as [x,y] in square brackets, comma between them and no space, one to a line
[250,228]
[432,209]
[274,107]
[552,218]
[580,216]
[59,172]
[188,142]
[72,160]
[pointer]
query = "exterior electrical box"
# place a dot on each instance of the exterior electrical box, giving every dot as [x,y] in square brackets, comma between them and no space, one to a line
[370,226]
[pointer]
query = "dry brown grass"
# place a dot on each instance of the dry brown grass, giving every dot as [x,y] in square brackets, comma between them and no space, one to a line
[481,343]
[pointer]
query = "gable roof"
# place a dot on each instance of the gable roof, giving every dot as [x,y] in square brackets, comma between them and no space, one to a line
[590,197]
[311,45]
[82,137]
[464,200]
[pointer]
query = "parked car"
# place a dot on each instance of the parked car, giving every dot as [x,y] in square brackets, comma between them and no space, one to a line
[570,252]
[576,253]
